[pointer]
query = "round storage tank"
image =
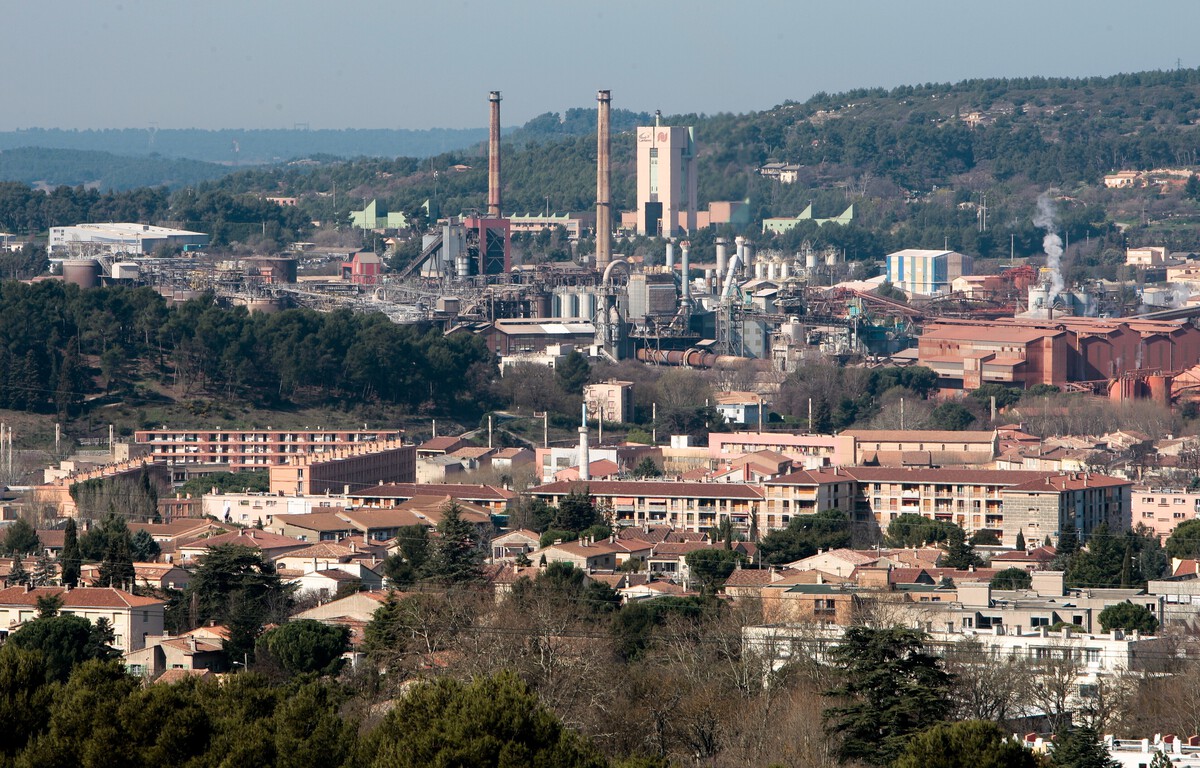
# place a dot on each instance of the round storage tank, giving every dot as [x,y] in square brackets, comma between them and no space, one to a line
[82,272]
[810,260]
[264,306]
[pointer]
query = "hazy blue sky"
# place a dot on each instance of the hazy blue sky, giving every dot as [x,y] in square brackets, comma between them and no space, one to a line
[403,64]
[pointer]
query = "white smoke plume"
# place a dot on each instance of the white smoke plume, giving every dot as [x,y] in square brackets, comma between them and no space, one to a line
[1052,244]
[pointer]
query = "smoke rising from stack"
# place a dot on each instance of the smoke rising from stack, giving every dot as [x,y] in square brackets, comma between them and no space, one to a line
[1052,244]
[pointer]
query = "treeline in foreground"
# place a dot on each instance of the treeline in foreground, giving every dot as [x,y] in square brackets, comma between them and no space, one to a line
[58,344]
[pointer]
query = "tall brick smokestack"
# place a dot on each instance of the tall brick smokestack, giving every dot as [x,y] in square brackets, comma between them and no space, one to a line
[603,167]
[493,209]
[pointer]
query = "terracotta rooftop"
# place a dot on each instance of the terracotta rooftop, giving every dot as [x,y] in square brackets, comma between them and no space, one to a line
[1071,481]
[79,597]
[661,488]
[468,491]
[920,435]
[249,537]
[316,521]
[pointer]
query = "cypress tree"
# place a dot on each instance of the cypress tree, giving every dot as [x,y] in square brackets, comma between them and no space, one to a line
[1021,541]
[71,558]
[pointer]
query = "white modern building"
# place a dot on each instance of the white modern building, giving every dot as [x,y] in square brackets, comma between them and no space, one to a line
[926,273]
[134,239]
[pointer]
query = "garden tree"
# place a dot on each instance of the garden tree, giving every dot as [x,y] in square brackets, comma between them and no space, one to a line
[20,538]
[532,513]
[554,535]
[405,631]
[890,688]
[1080,747]
[70,560]
[491,721]
[1184,541]
[407,566]
[1116,560]
[912,530]
[237,587]
[959,552]
[1005,396]
[951,416]
[64,642]
[131,497]
[143,547]
[116,567]
[646,469]
[303,646]
[17,575]
[804,535]
[985,537]
[1068,539]
[569,585]
[27,694]
[1012,578]
[48,605]
[710,567]
[576,511]
[43,570]
[1020,544]
[456,556]
[1129,617]
[572,373]
[966,744]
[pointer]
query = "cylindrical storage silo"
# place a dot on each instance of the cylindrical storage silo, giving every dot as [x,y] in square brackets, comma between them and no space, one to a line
[82,272]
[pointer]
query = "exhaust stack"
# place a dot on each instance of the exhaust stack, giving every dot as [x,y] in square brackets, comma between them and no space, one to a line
[685,267]
[493,209]
[603,167]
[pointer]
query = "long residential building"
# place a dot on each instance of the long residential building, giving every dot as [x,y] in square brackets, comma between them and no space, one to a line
[1002,501]
[250,449]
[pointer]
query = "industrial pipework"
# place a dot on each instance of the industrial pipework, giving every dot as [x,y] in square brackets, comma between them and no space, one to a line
[685,290]
[494,157]
[603,168]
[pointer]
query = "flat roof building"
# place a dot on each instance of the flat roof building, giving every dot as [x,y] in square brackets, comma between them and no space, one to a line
[666,180]
[134,239]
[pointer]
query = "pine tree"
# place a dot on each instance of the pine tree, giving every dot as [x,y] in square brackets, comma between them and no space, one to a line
[1081,747]
[1068,539]
[116,569]
[457,557]
[18,575]
[71,558]
[1021,541]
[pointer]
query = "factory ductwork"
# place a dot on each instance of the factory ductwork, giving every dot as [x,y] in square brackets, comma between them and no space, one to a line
[603,168]
[494,157]
[670,254]
[722,259]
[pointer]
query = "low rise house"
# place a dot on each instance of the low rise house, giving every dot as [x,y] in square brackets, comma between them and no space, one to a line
[162,654]
[132,617]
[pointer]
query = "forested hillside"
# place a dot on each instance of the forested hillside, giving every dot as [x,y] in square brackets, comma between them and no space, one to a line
[57,167]
[60,345]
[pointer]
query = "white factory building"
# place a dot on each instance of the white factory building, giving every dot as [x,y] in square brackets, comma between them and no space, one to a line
[133,239]
[925,272]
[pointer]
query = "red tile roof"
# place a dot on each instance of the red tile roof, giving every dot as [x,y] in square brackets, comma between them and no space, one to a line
[80,597]
[660,488]
[468,491]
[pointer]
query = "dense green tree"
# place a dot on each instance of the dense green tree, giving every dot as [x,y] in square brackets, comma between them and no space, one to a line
[1012,578]
[564,584]
[227,482]
[71,558]
[646,469]
[494,721]
[20,538]
[959,553]
[116,567]
[912,530]
[1129,617]
[239,588]
[951,416]
[1005,396]
[407,566]
[1020,544]
[1068,539]
[967,744]
[26,695]
[1184,541]
[17,575]
[804,535]
[576,511]
[709,568]
[456,556]
[1080,747]
[890,688]
[984,537]
[304,646]
[65,642]
[143,547]
[572,373]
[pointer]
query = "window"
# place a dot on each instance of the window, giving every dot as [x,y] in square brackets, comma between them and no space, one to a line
[1092,655]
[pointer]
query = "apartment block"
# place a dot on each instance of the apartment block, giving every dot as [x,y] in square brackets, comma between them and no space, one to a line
[239,450]
[346,467]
